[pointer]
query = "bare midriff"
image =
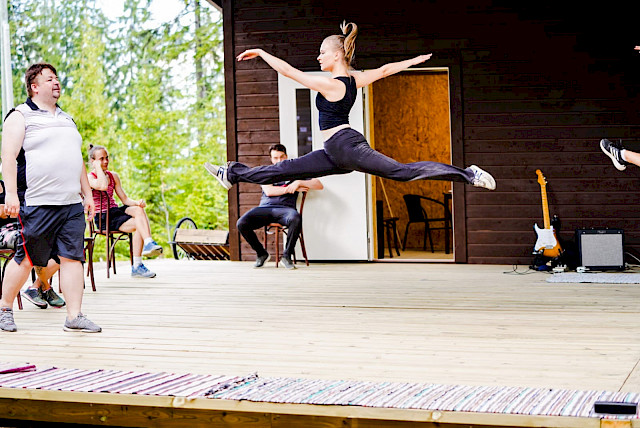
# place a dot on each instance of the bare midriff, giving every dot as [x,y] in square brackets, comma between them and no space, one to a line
[328,133]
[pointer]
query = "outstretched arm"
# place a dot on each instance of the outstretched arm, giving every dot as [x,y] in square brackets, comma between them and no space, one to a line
[328,87]
[117,186]
[304,185]
[364,78]
[270,190]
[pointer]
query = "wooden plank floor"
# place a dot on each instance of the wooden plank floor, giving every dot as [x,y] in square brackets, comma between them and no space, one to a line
[434,323]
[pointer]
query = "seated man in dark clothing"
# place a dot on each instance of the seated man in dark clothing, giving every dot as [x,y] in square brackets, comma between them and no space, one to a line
[278,205]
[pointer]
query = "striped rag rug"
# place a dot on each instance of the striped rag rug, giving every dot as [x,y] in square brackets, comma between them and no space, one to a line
[13,368]
[456,398]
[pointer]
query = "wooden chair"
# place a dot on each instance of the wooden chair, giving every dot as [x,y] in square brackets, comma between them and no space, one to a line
[276,228]
[417,214]
[112,237]
[89,241]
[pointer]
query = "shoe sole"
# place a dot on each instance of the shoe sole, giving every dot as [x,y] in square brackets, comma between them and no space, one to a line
[80,330]
[617,164]
[58,306]
[288,267]
[142,276]
[9,331]
[210,169]
[152,253]
[39,305]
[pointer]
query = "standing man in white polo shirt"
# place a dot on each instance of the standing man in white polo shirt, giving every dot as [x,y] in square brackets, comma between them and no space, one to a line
[42,157]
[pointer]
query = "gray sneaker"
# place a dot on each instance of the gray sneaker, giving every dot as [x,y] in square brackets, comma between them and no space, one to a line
[482,178]
[260,260]
[6,320]
[220,173]
[33,295]
[81,324]
[287,263]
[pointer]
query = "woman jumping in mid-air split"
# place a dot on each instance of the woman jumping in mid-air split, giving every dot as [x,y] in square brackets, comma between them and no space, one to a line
[345,149]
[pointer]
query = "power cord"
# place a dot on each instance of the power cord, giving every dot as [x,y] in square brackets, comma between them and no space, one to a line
[514,271]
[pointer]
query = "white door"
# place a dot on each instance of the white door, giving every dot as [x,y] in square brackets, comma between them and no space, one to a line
[335,219]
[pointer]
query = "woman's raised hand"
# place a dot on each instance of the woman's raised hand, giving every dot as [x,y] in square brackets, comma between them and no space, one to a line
[422,58]
[248,54]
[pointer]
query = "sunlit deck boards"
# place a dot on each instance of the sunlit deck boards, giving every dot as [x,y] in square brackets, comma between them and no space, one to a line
[432,323]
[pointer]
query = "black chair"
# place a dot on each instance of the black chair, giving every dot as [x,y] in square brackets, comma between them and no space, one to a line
[417,214]
[389,225]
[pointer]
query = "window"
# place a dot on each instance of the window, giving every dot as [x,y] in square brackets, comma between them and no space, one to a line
[303,121]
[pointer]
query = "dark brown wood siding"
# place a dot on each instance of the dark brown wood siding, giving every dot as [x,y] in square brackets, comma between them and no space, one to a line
[539,85]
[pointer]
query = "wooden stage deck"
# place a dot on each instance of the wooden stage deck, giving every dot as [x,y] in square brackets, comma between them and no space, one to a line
[476,325]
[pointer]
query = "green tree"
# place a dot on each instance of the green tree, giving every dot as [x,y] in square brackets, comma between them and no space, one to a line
[87,102]
[153,95]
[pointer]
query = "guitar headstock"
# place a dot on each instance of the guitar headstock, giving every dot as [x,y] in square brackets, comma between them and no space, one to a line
[541,180]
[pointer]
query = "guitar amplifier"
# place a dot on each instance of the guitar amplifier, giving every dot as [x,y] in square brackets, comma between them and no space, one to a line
[601,249]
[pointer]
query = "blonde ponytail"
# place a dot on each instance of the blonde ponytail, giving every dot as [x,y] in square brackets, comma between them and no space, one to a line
[349,31]
[346,42]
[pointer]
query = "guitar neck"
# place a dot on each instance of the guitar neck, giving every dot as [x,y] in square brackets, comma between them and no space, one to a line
[545,207]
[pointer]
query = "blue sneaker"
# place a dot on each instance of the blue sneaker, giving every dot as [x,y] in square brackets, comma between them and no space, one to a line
[141,271]
[151,249]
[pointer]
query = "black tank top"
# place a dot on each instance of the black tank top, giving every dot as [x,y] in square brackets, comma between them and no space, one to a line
[336,113]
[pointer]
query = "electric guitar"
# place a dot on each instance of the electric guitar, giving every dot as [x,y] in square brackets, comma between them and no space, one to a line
[547,243]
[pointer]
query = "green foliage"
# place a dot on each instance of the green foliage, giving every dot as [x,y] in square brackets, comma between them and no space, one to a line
[153,95]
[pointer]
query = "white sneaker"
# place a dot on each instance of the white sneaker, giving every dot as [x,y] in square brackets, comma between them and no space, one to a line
[482,178]
[613,150]
[220,173]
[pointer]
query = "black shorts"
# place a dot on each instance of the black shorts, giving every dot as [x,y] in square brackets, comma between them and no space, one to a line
[117,217]
[49,231]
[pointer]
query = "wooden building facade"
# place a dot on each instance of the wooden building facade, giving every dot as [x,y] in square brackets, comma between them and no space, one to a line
[531,86]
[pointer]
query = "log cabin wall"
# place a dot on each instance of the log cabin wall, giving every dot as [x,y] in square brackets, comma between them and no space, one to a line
[534,86]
